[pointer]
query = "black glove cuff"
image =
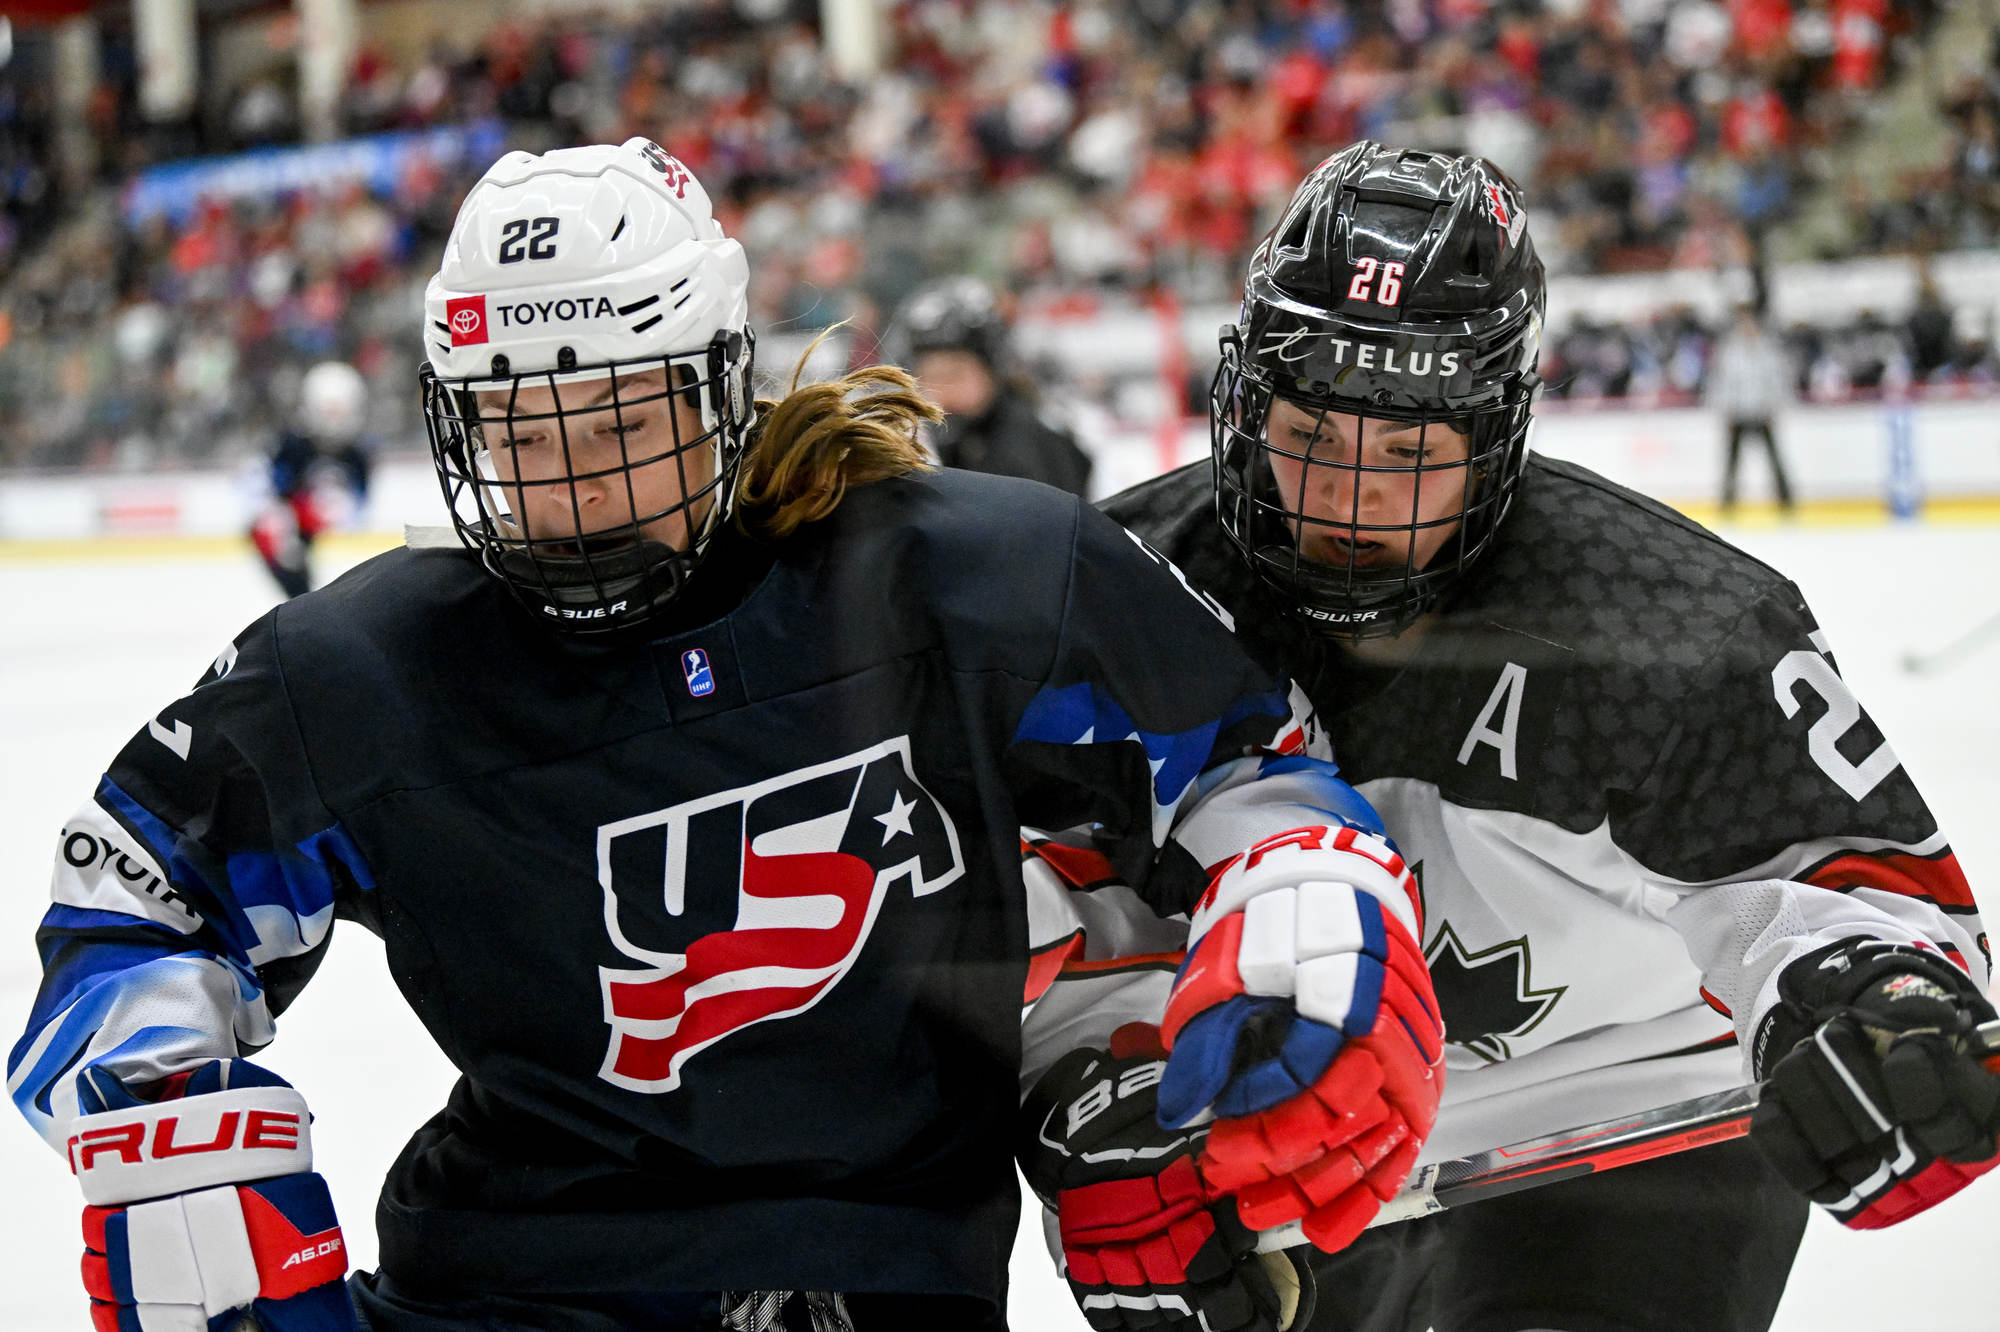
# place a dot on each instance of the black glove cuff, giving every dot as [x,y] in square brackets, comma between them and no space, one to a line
[1040,1136]
[1090,1118]
[1821,985]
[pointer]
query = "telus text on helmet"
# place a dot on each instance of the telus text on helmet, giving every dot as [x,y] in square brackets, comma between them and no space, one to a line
[1301,344]
[520,314]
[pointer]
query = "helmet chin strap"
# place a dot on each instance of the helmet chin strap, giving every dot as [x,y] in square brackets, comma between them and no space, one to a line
[1405,600]
[590,579]
[1378,625]
[1376,602]
[588,582]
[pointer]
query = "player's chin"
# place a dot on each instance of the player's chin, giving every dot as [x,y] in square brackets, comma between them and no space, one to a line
[610,538]
[587,544]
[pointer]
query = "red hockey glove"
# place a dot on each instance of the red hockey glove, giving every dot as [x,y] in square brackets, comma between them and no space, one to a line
[1143,1246]
[1303,1018]
[1872,1108]
[205,1204]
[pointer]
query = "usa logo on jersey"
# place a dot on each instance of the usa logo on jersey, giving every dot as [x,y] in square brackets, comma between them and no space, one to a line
[750,905]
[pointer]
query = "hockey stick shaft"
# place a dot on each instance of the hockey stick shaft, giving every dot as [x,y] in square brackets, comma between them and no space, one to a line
[1586,1150]
[1922,663]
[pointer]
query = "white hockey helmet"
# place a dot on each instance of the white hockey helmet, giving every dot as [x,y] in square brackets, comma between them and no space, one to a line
[564,271]
[333,401]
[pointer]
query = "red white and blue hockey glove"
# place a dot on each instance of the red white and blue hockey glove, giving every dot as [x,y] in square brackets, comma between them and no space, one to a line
[1303,1019]
[203,1207]
[1145,1245]
[1871,1106]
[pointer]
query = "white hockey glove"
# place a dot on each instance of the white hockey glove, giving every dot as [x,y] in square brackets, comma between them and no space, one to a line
[204,1203]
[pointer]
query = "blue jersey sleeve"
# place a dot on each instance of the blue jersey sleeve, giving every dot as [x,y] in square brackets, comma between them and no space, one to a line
[1156,731]
[193,894]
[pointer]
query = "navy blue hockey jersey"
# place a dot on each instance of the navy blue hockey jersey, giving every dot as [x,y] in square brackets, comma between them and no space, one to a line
[725,931]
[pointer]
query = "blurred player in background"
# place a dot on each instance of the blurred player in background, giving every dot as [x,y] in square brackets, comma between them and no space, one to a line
[1661,849]
[331,431]
[684,788]
[955,340]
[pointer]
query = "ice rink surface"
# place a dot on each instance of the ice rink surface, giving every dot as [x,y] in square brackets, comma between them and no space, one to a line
[96,642]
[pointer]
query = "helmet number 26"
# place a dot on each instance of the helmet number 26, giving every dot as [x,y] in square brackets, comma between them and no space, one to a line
[528,238]
[1390,292]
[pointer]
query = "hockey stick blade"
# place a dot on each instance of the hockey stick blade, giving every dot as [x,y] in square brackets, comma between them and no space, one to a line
[1586,1150]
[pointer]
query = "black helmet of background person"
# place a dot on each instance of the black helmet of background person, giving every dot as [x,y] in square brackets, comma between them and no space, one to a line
[1398,286]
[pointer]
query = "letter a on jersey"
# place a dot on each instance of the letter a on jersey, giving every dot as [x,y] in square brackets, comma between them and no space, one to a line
[750,905]
[1506,695]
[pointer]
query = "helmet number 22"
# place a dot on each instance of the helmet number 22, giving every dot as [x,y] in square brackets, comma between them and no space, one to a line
[528,238]
[1389,292]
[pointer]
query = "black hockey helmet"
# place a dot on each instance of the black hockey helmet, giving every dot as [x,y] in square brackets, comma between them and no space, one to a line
[952,314]
[1399,296]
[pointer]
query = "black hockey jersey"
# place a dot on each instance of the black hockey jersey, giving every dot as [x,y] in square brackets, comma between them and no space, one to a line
[1631,784]
[725,931]
[1011,438]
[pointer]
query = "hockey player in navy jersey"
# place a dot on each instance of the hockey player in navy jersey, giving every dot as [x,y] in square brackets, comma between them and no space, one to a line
[330,430]
[684,787]
[1660,847]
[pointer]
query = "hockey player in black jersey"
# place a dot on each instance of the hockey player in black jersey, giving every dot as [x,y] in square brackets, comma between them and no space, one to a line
[1660,847]
[685,789]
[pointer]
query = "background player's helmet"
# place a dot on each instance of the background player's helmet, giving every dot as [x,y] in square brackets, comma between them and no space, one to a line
[1397,286]
[951,314]
[571,272]
[333,402]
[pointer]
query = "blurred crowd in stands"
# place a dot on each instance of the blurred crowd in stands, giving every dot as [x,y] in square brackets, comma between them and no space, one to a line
[1069,152]
[1665,361]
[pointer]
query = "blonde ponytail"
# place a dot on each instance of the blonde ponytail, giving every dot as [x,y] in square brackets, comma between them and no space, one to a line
[808,448]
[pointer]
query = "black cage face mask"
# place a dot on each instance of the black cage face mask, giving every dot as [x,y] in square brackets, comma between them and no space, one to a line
[593,492]
[1361,517]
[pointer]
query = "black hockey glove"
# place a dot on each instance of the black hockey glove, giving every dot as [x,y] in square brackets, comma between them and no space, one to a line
[1871,1105]
[1145,1243]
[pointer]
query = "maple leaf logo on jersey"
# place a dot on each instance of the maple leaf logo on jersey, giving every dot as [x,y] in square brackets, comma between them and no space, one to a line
[1487,996]
[750,905]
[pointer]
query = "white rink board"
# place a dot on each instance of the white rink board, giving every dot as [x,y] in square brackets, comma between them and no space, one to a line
[92,647]
[1831,453]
